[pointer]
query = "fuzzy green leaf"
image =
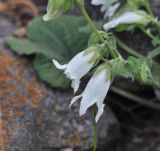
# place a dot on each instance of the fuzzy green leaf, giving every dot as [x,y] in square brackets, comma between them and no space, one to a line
[49,73]
[60,39]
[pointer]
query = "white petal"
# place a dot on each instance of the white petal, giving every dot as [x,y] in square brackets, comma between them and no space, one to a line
[111,10]
[126,18]
[59,66]
[98,2]
[85,104]
[100,110]
[75,99]
[103,2]
[69,74]
[95,91]
[80,65]
[75,84]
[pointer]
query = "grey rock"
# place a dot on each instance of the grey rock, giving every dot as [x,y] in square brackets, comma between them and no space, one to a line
[36,117]
[6,26]
[6,29]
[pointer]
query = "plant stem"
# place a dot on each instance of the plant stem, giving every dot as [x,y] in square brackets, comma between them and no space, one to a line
[128,49]
[95,133]
[85,15]
[148,8]
[132,51]
[150,35]
[135,98]
[114,54]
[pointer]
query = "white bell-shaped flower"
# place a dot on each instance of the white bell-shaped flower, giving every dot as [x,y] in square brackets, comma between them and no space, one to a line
[94,92]
[111,10]
[77,67]
[108,6]
[125,18]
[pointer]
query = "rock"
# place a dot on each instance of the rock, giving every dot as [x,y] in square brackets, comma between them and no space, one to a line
[7,28]
[35,117]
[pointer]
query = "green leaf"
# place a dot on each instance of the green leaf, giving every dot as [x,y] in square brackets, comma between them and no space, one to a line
[87,28]
[60,39]
[135,68]
[49,73]
[28,47]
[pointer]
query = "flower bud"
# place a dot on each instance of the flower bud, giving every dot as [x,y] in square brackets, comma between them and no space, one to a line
[57,7]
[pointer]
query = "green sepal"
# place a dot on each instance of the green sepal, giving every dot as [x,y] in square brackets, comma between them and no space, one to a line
[108,71]
[91,49]
[117,65]
[103,66]
[99,68]
[96,57]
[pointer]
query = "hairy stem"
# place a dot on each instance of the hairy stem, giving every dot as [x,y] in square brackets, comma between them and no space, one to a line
[148,8]
[128,49]
[135,98]
[85,15]
[132,51]
[150,35]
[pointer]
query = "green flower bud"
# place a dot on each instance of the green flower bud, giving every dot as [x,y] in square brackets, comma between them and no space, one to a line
[57,7]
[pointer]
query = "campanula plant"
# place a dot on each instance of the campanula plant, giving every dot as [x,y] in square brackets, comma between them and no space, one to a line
[102,57]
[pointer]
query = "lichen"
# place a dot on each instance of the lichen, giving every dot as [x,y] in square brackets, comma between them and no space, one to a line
[19,88]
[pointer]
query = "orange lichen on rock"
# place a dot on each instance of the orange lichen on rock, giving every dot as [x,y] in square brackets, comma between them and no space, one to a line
[18,89]
[74,139]
[3,7]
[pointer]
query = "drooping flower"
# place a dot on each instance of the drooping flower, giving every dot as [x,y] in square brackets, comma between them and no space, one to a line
[57,7]
[128,18]
[108,6]
[94,92]
[111,10]
[78,66]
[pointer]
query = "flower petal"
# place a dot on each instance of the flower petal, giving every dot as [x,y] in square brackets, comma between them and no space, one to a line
[85,104]
[75,84]
[75,99]
[59,66]
[95,92]
[111,10]
[80,65]
[100,106]
[69,74]
[126,18]
[98,2]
